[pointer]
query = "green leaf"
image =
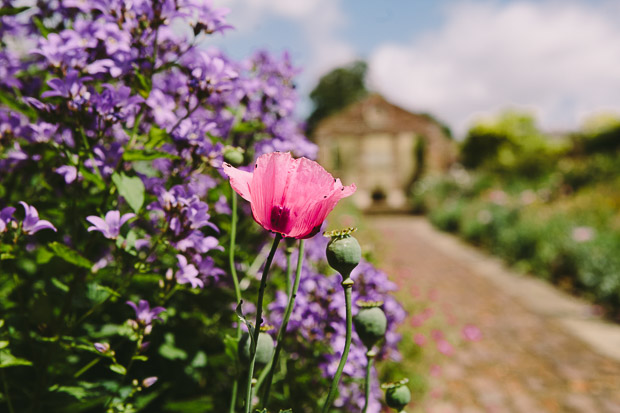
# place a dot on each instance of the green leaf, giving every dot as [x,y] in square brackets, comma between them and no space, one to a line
[12,11]
[6,256]
[200,360]
[146,155]
[156,137]
[3,344]
[117,368]
[44,30]
[70,255]
[44,255]
[145,84]
[59,284]
[140,358]
[16,104]
[9,360]
[230,347]
[77,392]
[245,321]
[198,405]
[130,188]
[91,177]
[107,289]
[170,351]
[248,127]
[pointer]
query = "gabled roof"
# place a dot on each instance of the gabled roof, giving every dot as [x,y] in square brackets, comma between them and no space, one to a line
[372,114]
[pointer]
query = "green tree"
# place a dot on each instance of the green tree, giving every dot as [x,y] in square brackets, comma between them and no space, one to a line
[510,142]
[335,90]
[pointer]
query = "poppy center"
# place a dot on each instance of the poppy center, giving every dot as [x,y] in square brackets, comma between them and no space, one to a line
[280,218]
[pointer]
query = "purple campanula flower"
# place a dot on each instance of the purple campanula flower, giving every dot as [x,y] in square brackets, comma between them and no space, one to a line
[111,226]
[204,17]
[32,223]
[106,159]
[69,172]
[162,107]
[71,87]
[6,216]
[208,269]
[144,314]
[43,131]
[116,103]
[221,206]
[115,39]
[188,273]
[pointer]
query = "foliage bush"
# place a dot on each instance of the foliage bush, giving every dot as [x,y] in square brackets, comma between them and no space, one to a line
[509,144]
[559,227]
[115,217]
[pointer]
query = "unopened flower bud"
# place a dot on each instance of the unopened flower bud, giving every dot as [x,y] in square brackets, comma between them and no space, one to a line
[149,381]
[343,251]
[148,329]
[264,349]
[169,274]
[397,395]
[102,347]
[233,156]
[370,323]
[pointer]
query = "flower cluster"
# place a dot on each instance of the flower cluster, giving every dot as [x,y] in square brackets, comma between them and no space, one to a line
[31,223]
[116,130]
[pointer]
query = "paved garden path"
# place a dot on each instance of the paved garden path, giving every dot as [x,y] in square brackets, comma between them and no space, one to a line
[540,350]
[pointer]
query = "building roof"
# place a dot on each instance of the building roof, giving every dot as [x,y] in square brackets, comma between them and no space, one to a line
[372,114]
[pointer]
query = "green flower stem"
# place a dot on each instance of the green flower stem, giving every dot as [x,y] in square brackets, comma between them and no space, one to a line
[233,273]
[6,392]
[287,316]
[370,357]
[289,270]
[86,367]
[347,285]
[259,321]
[261,378]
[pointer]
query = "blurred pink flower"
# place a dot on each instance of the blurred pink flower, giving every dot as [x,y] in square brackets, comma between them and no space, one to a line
[471,333]
[435,370]
[528,197]
[288,196]
[444,347]
[582,234]
[498,197]
[417,320]
[437,335]
[419,339]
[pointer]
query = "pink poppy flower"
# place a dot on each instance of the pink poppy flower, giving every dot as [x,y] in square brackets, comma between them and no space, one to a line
[289,196]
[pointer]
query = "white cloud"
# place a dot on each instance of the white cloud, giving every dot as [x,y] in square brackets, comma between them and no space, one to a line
[317,20]
[560,59]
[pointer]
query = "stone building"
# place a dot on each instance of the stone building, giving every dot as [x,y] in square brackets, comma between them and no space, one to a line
[382,148]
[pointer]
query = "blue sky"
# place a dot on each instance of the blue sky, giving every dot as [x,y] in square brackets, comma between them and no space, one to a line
[458,59]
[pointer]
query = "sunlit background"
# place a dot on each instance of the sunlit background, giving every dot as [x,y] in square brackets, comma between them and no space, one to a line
[455,59]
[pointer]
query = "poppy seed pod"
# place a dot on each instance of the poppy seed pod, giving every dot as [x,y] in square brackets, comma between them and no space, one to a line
[397,395]
[343,251]
[370,323]
[233,156]
[264,349]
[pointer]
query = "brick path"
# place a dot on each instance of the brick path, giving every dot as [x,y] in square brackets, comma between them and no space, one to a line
[526,361]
